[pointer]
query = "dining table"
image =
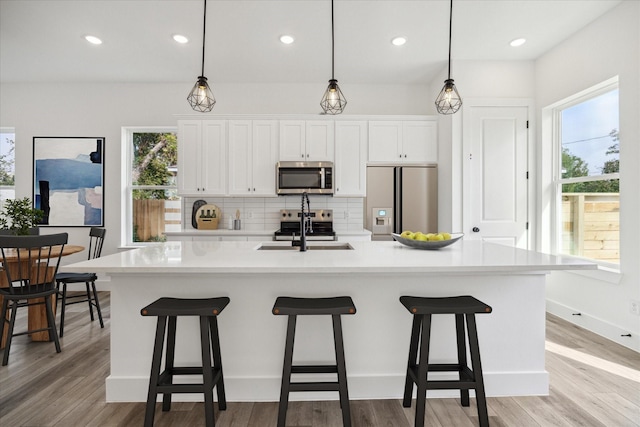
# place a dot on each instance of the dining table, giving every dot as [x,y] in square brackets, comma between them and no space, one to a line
[37,314]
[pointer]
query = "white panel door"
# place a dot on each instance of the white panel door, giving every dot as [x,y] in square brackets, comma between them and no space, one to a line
[497,180]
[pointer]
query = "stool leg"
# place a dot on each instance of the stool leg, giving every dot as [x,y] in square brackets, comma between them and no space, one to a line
[169,361]
[207,372]
[217,361]
[342,370]
[286,371]
[423,370]
[462,355]
[413,355]
[481,400]
[155,371]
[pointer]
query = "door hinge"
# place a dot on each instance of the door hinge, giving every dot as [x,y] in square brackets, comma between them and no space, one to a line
[527,227]
[527,124]
[527,174]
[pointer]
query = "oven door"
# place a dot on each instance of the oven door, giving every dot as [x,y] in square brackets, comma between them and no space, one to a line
[304,177]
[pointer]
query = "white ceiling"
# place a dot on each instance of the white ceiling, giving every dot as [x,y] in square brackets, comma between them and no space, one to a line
[42,40]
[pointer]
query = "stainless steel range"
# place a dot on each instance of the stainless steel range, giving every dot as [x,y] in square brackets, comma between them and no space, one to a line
[321,225]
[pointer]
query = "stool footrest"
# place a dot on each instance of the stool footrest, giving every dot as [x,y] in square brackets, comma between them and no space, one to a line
[466,381]
[314,386]
[166,386]
[314,369]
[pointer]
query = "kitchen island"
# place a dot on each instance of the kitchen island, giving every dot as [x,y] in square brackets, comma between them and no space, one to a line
[374,274]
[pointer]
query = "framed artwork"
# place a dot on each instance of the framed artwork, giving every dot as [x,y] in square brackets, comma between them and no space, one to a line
[68,181]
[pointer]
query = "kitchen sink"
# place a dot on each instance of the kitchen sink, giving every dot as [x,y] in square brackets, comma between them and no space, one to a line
[310,247]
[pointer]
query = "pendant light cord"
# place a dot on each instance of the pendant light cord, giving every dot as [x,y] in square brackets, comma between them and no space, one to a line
[450,23]
[332,44]
[204,30]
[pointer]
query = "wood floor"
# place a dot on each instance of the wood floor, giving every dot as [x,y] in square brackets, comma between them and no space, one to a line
[594,382]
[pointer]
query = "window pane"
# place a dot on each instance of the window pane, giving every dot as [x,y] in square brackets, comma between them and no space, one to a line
[155,157]
[154,212]
[590,137]
[7,166]
[591,209]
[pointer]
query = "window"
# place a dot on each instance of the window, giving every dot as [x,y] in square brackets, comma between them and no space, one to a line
[587,177]
[7,164]
[152,203]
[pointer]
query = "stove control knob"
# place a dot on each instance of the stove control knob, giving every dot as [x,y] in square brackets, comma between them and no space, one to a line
[328,214]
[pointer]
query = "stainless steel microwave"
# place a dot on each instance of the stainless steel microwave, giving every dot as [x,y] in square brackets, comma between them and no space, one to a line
[304,177]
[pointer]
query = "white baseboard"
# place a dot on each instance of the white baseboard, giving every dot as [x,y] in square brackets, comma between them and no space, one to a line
[595,325]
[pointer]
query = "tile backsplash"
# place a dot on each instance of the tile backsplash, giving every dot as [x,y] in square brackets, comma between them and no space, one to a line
[263,213]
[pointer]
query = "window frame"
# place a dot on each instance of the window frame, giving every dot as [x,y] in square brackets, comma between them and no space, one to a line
[10,130]
[552,135]
[126,236]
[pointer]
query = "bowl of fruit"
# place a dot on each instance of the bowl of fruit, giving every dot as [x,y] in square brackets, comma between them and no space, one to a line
[420,240]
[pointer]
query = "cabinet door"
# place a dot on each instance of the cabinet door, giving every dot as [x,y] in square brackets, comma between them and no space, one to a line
[351,158]
[385,141]
[264,154]
[420,141]
[189,160]
[214,157]
[319,140]
[240,157]
[292,135]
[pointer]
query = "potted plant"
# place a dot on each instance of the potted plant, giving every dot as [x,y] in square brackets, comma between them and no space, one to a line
[19,217]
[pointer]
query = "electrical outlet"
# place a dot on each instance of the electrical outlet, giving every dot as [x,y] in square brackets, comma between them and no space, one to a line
[249,215]
[634,307]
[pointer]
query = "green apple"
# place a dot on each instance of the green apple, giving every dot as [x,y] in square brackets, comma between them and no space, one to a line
[407,234]
[437,237]
[446,236]
[421,237]
[430,236]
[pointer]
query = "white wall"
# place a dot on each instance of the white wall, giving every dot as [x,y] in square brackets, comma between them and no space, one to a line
[608,47]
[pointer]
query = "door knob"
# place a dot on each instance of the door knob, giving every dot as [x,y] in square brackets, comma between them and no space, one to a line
[475,229]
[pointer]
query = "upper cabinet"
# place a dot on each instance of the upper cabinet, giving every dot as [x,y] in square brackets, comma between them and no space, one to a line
[350,167]
[253,153]
[403,141]
[306,140]
[202,157]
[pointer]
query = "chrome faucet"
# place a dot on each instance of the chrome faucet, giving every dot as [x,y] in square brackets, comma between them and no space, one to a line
[305,221]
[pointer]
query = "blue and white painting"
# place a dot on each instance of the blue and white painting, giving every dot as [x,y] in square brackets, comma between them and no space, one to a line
[68,180]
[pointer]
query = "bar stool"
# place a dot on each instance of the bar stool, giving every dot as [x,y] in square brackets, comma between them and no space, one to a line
[162,383]
[422,310]
[293,307]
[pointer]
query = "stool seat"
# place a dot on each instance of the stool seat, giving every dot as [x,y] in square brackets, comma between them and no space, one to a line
[444,305]
[167,311]
[311,306]
[334,307]
[464,308]
[186,307]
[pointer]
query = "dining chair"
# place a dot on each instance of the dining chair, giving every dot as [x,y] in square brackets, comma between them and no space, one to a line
[29,267]
[96,239]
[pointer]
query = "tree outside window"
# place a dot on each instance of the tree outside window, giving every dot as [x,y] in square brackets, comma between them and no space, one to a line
[7,166]
[154,200]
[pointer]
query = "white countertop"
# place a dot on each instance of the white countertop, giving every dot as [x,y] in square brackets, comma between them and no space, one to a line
[202,257]
[227,232]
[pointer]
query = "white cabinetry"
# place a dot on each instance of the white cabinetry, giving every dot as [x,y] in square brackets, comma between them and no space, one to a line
[306,140]
[350,172]
[253,153]
[403,141]
[202,157]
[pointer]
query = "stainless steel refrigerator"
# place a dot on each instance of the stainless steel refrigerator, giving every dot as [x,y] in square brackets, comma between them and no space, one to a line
[401,198]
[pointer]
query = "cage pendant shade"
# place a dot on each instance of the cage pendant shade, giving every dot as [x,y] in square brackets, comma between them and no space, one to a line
[333,101]
[448,101]
[201,98]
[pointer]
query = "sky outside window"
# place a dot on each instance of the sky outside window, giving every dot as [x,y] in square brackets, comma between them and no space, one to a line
[587,127]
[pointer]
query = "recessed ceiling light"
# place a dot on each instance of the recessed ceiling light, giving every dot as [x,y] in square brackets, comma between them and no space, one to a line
[180,38]
[398,41]
[517,42]
[93,39]
[287,39]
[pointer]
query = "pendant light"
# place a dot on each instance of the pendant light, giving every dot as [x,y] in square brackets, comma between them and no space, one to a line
[333,101]
[449,101]
[201,98]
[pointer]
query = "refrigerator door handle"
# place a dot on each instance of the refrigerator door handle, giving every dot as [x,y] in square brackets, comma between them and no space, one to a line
[397,200]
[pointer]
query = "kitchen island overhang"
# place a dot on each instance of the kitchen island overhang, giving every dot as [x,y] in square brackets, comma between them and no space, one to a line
[374,274]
